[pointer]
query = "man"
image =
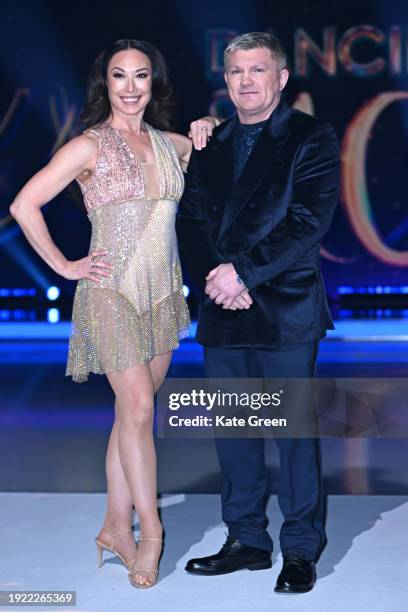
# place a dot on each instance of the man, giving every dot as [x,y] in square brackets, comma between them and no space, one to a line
[257,202]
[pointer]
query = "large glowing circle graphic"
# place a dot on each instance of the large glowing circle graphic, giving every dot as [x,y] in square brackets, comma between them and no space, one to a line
[354,184]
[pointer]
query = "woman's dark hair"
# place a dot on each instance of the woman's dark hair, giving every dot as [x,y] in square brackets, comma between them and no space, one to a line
[97,105]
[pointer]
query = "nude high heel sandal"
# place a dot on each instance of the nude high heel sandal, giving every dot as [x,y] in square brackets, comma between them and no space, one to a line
[151,573]
[101,546]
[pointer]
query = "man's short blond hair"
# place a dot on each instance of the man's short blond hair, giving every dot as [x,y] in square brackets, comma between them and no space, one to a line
[254,40]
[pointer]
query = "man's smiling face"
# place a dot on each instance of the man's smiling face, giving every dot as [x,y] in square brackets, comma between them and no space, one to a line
[254,83]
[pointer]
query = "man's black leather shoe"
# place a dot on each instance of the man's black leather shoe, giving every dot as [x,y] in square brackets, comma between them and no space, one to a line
[233,556]
[298,575]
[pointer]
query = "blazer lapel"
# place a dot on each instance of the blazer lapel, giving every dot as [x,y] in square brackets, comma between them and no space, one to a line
[264,156]
[222,162]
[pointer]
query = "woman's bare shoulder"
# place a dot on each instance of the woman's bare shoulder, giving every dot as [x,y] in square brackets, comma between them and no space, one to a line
[82,150]
[86,143]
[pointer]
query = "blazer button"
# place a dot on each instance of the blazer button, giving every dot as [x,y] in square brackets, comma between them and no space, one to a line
[252,205]
[215,208]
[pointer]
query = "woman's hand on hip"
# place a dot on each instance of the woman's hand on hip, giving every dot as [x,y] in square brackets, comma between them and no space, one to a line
[92,267]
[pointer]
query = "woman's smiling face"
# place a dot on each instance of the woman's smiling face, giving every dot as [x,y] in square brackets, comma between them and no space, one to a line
[129,82]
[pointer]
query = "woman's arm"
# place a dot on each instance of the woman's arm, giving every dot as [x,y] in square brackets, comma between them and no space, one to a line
[183,147]
[74,159]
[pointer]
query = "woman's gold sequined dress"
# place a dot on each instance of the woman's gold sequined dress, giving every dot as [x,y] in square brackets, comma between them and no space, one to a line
[139,311]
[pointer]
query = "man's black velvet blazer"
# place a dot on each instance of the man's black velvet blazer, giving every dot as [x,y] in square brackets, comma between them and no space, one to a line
[269,225]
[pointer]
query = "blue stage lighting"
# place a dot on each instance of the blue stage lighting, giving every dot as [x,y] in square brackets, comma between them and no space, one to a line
[186,291]
[345,312]
[345,290]
[16,292]
[378,289]
[53,293]
[53,315]
[21,255]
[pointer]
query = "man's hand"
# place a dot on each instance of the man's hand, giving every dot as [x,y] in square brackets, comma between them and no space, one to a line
[201,131]
[241,302]
[222,287]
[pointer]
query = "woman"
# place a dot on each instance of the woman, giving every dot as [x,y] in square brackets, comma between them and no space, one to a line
[129,308]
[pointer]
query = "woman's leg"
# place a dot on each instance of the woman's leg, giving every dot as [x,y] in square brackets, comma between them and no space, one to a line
[131,460]
[119,512]
[158,369]
[149,550]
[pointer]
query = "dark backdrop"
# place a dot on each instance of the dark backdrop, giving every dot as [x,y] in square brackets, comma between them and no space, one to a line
[46,49]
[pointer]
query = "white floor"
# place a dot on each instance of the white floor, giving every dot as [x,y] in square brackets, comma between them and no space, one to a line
[47,544]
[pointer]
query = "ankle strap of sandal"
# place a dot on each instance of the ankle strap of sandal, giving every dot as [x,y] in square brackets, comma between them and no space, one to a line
[139,570]
[114,535]
[119,532]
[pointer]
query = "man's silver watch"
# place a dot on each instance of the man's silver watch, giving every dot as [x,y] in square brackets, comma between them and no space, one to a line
[241,282]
